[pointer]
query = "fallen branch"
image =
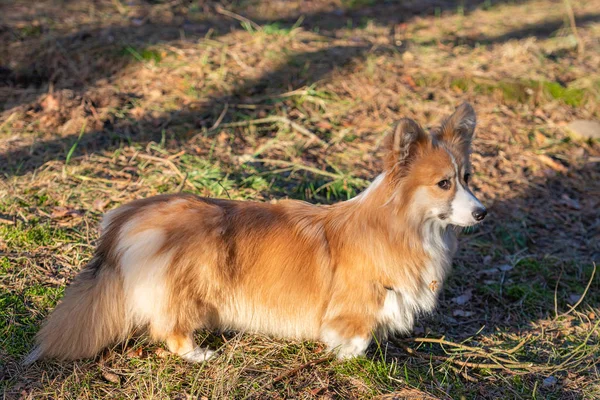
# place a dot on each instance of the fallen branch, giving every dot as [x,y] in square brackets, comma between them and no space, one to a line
[173,167]
[297,166]
[294,371]
[239,17]
[571,15]
[295,126]
[570,310]
[221,116]
[497,362]
[491,353]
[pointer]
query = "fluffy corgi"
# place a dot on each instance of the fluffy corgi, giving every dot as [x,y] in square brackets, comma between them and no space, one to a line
[337,273]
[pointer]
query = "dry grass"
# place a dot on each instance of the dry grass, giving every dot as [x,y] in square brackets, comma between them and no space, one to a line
[109,101]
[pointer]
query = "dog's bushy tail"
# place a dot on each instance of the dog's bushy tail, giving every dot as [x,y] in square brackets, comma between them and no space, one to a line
[90,317]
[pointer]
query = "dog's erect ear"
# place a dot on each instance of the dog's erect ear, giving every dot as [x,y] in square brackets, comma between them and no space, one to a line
[457,130]
[402,143]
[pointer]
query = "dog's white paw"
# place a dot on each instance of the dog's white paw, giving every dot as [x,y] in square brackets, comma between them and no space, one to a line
[198,355]
[345,348]
[352,348]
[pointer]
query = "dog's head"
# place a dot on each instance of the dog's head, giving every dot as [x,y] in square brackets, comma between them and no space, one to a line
[430,172]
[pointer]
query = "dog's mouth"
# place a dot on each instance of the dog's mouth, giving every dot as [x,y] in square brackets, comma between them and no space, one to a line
[448,219]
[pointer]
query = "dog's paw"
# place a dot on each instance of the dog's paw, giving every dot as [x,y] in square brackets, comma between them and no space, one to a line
[352,348]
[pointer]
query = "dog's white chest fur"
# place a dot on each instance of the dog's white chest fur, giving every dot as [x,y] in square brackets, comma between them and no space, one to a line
[402,304]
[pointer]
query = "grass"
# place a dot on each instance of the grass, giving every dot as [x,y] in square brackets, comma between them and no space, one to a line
[279,100]
[524,91]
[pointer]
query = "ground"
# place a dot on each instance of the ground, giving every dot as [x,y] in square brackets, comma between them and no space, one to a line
[108,101]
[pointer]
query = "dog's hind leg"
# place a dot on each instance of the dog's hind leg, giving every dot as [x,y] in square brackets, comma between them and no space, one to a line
[183,345]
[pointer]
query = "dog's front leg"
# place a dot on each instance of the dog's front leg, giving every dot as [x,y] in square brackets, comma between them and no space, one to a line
[184,345]
[348,335]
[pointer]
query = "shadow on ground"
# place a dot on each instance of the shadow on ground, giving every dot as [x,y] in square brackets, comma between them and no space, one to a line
[552,229]
[76,62]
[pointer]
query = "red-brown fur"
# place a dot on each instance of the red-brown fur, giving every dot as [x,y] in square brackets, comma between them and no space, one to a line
[289,269]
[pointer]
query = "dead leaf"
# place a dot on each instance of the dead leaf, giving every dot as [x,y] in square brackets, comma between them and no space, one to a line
[161,353]
[324,125]
[409,81]
[558,167]
[135,353]
[462,313]
[464,298]
[111,377]
[574,298]
[433,285]
[569,202]
[100,204]
[6,221]
[408,57]
[63,212]
[505,267]
[50,103]
[540,138]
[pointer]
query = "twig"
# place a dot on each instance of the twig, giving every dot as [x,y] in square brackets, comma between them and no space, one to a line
[233,15]
[88,178]
[463,373]
[571,15]
[301,367]
[479,365]
[169,163]
[220,119]
[122,10]
[562,269]
[584,292]
[176,155]
[478,352]
[223,187]
[518,346]
[7,120]
[182,184]
[297,166]
[446,342]
[172,166]
[298,128]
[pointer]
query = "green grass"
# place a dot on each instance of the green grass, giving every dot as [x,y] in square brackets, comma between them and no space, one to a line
[19,317]
[147,104]
[524,91]
[33,235]
[145,55]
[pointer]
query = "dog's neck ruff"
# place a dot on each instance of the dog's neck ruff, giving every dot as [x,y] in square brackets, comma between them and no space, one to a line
[432,242]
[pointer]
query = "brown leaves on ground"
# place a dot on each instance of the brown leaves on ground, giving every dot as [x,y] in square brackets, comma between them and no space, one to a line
[145,82]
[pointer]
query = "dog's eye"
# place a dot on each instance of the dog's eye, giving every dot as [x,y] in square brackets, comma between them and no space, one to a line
[467,176]
[445,184]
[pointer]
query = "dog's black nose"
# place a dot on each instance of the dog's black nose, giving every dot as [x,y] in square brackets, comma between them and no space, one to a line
[479,214]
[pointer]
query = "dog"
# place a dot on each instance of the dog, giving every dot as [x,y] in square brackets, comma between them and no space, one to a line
[338,273]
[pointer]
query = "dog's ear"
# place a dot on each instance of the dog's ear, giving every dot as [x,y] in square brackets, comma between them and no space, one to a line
[402,143]
[458,129]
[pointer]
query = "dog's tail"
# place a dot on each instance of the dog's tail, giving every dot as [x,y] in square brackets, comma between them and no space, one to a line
[90,317]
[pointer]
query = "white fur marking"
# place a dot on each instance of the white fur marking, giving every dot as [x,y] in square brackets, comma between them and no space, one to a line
[144,275]
[370,189]
[395,316]
[464,203]
[344,348]
[404,303]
